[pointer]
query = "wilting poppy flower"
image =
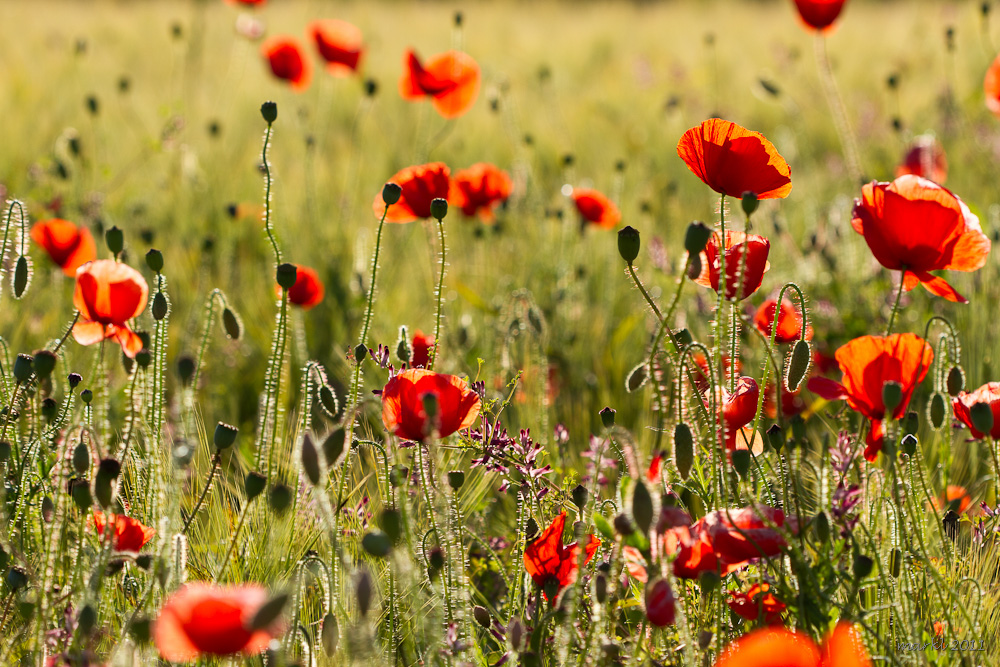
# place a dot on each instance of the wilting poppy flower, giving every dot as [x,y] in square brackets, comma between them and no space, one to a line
[422,345]
[108,294]
[757,600]
[989,394]
[660,603]
[926,159]
[991,86]
[420,185]
[129,534]
[68,245]
[547,558]
[202,619]
[868,363]
[732,160]
[307,291]
[725,540]
[479,189]
[595,208]
[450,79]
[789,321]
[288,61]
[819,14]
[768,647]
[403,404]
[916,226]
[339,44]
[955,498]
[756,247]
[737,409]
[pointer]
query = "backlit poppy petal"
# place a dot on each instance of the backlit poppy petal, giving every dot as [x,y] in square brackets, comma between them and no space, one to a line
[307,292]
[991,87]
[789,321]
[108,294]
[420,184]
[819,14]
[422,344]
[479,189]
[827,388]
[288,61]
[546,558]
[403,404]
[450,79]
[596,208]
[843,648]
[771,647]
[88,333]
[67,244]
[129,534]
[756,247]
[925,158]
[339,43]
[989,394]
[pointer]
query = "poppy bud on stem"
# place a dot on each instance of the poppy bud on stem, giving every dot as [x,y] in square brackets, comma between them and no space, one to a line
[439,209]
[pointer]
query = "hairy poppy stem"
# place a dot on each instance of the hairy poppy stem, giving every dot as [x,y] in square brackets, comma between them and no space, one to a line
[837,110]
[69,330]
[232,543]
[216,460]
[267,196]
[895,305]
[440,300]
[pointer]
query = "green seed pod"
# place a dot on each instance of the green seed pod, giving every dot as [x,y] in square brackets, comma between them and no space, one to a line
[821,528]
[185,369]
[482,617]
[115,239]
[269,111]
[982,418]
[268,613]
[286,275]
[391,193]
[310,460]
[862,566]
[360,352]
[225,435]
[683,449]
[601,588]
[253,485]
[439,208]
[623,525]
[16,579]
[160,307]
[892,396]
[154,260]
[956,381]
[334,447]
[44,363]
[636,378]
[104,482]
[330,634]
[607,417]
[696,237]
[895,563]
[23,368]
[398,474]
[456,478]
[749,202]
[909,444]
[144,358]
[48,509]
[741,462]
[799,361]
[81,458]
[628,244]
[642,506]
[683,338]
[22,275]
[86,620]
[231,324]
[580,495]
[936,411]
[377,543]
[912,423]
[328,401]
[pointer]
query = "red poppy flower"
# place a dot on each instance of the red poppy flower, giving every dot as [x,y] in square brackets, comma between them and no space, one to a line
[450,79]
[548,558]
[916,226]
[955,498]
[595,208]
[339,44]
[756,247]
[757,600]
[991,86]
[635,564]
[479,189]
[737,409]
[422,345]
[725,540]
[789,320]
[247,3]
[307,291]
[403,404]
[68,245]
[660,603]
[868,363]
[288,61]
[699,371]
[989,394]
[926,159]
[792,402]
[129,534]
[732,160]
[421,185]
[772,646]
[819,14]
[108,294]
[202,619]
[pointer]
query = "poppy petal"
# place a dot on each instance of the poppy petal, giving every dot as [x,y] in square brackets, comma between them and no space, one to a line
[761,647]
[827,388]
[940,287]
[843,648]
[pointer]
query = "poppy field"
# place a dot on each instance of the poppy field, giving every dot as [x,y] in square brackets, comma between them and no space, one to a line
[547,333]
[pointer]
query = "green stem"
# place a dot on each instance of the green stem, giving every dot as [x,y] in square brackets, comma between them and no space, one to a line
[204,492]
[440,300]
[267,197]
[232,544]
[895,305]
[837,110]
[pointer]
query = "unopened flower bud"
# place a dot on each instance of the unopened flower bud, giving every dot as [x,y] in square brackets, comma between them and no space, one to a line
[286,275]
[628,244]
[696,237]
[154,260]
[439,208]
[749,202]
[391,193]
[115,239]
[269,111]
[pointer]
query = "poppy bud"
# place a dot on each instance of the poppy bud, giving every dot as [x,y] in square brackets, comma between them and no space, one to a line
[333,447]
[628,244]
[253,485]
[696,237]
[982,417]
[231,324]
[580,495]
[601,587]
[642,506]
[363,592]
[360,352]
[608,417]
[909,444]
[435,561]
[709,581]
[143,357]
[892,396]
[86,619]
[458,19]
[623,525]
[397,475]
[741,462]
[268,613]
[404,351]
[660,603]
[456,478]
[956,381]
[862,566]
[391,522]
[286,275]
[330,634]
[16,579]
[160,307]
[44,363]
[821,526]
[81,458]
[439,208]
[185,368]
[482,616]
[154,260]
[93,106]
[391,193]
[225,435]
[74,380]
[376,543]
[705,639]
[107,474]
[694,267]
[269,111]
[79,489]
[895,562]
[47,509]
[141,630]
[683,337]
[776,437]
[115,239]
[798,365]
[280,498]
[950,523]
[22,368]
[22,272]
[749,202]
[636,378]
[328,401]
[683,449]
[310,460]
[936,410]
[371,87]
[912,422]
[515,633]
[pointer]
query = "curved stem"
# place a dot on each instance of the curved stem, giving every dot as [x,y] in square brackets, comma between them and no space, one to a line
[204,492]
[267,197]
[440,300]
[232,544]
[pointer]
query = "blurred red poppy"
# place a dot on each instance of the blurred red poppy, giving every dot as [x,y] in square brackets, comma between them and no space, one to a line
[450,79]
[403,401]
[288,61]
[422,345]
[595,208]
[660,603]
[925,158]
[737,409]
[699,371]
[756,247]
[758,600]
[68,245]
[247,3]
[635,563]
[725,540]
[819,14]
[547,558]
[868,363]
[339,44]
[991,86]
[479,189]
[732,160]
[203,619]
[307,292]
[421,184]
[955,498]
[129,534]
[916,226]
[772,646]
[989,394]
[791,401]
[108,294]
[789,321]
